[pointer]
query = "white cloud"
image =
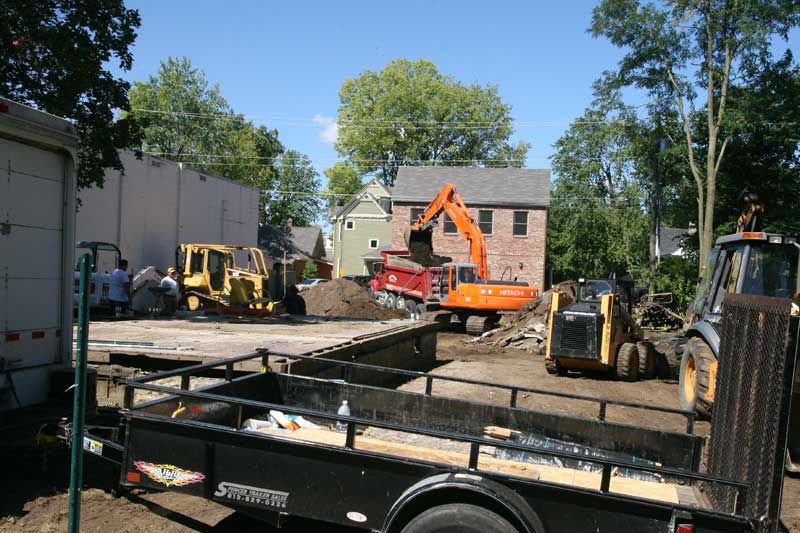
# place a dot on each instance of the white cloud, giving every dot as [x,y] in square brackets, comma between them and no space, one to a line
[330,130]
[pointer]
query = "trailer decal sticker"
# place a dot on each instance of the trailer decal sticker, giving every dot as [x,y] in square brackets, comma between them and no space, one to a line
[169,475]
[256,496]
[93,446]
[355,516]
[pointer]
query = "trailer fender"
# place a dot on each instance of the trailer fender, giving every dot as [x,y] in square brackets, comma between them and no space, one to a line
[442,489]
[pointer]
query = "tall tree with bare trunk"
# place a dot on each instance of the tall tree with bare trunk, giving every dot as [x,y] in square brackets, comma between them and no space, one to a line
[690,53]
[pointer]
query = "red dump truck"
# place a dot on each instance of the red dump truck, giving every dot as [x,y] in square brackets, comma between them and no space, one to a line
[403,284]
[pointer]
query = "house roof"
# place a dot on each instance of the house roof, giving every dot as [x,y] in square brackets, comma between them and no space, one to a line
[669,242]
[522,187]
[362,195]
[297,241]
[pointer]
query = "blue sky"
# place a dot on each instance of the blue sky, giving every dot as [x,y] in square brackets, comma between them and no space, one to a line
[281,64]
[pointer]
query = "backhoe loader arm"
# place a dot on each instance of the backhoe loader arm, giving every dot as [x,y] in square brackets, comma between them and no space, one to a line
[449,201]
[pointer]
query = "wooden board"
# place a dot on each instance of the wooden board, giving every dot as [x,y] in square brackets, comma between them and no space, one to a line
[565,476]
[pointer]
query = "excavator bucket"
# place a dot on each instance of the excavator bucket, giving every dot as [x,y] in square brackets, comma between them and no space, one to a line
[420,245]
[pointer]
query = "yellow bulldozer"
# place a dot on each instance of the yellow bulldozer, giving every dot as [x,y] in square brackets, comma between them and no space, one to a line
[224,278]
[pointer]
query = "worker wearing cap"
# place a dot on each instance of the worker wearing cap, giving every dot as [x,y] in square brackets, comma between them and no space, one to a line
[170,284]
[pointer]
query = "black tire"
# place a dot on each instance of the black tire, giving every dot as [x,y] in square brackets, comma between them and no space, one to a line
[421,310]
[628,362]
[693,380]
[390,302]
[647,360]
[458,518]
[400,303]
[411,307]
[554,368]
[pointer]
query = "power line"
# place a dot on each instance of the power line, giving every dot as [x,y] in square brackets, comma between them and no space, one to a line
[396,123]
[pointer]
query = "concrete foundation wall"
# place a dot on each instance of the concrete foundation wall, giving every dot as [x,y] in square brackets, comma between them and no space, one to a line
[158,204]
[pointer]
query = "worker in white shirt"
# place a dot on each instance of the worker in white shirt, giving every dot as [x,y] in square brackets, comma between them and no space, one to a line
[170,283]
[119,287]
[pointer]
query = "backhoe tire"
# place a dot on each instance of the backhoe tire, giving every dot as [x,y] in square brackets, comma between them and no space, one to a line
[458,518]
[693,380]
[628,362]
[647,360]
[390,302]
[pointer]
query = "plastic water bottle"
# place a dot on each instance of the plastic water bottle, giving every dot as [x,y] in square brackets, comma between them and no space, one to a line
[344,410]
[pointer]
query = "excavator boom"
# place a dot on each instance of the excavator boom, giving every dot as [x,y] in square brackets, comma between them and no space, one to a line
[420,236]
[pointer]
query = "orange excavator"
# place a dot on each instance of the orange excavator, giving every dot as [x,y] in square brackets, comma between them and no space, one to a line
[466,289]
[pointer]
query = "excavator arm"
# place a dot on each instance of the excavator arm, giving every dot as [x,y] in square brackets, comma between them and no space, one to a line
[450,202]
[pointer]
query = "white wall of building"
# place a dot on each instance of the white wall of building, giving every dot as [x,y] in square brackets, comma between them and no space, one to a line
[158,204]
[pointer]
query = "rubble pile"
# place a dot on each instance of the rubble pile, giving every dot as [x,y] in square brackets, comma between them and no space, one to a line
[527,329]
[655,316]
[345,298]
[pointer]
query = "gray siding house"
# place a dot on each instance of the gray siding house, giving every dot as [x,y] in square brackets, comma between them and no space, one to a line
[361,228]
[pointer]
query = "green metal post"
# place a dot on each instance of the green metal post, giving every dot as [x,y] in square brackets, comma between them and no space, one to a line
[79,397]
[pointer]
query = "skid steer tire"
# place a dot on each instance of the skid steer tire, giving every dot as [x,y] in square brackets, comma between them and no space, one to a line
[628,362]
[693,380]
[553,368]
[647,360]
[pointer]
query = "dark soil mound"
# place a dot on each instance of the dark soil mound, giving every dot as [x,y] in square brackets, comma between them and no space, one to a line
[345,298]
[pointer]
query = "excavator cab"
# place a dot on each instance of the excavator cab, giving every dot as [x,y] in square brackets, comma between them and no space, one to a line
[453,275]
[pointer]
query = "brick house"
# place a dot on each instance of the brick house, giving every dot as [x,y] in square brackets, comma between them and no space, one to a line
[509,204]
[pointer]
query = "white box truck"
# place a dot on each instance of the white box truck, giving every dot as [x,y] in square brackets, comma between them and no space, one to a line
[38,159]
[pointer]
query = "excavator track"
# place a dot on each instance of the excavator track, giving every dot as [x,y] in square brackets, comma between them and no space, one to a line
[480,324]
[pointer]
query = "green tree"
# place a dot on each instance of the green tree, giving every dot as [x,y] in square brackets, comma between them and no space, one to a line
[344,181]
[309,270]
[295,191]
[678,49]
[410,114]
[55,56]
[596,221]
[184,119]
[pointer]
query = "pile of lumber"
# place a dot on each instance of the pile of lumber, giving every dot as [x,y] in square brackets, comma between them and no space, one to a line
[651,315]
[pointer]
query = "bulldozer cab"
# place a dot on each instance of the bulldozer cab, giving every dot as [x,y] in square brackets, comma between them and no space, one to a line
[756,263]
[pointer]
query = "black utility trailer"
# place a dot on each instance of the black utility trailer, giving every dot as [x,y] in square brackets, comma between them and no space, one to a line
[610,477]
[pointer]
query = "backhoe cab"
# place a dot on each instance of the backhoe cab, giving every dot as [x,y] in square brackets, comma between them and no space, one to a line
[597,332]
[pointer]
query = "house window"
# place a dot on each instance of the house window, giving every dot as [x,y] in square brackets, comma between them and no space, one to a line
[449,226]
[520,223]
[485,221]
[349,224]
[415,213]
[373,243]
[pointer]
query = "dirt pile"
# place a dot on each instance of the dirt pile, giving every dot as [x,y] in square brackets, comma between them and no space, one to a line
[345,298]
[527,329]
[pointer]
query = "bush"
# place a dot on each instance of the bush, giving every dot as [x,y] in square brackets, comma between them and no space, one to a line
[677,275]
[310,270]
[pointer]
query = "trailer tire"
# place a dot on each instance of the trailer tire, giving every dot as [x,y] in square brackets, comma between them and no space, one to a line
[628,362]
[458,518]
[647,360]
[390,302]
